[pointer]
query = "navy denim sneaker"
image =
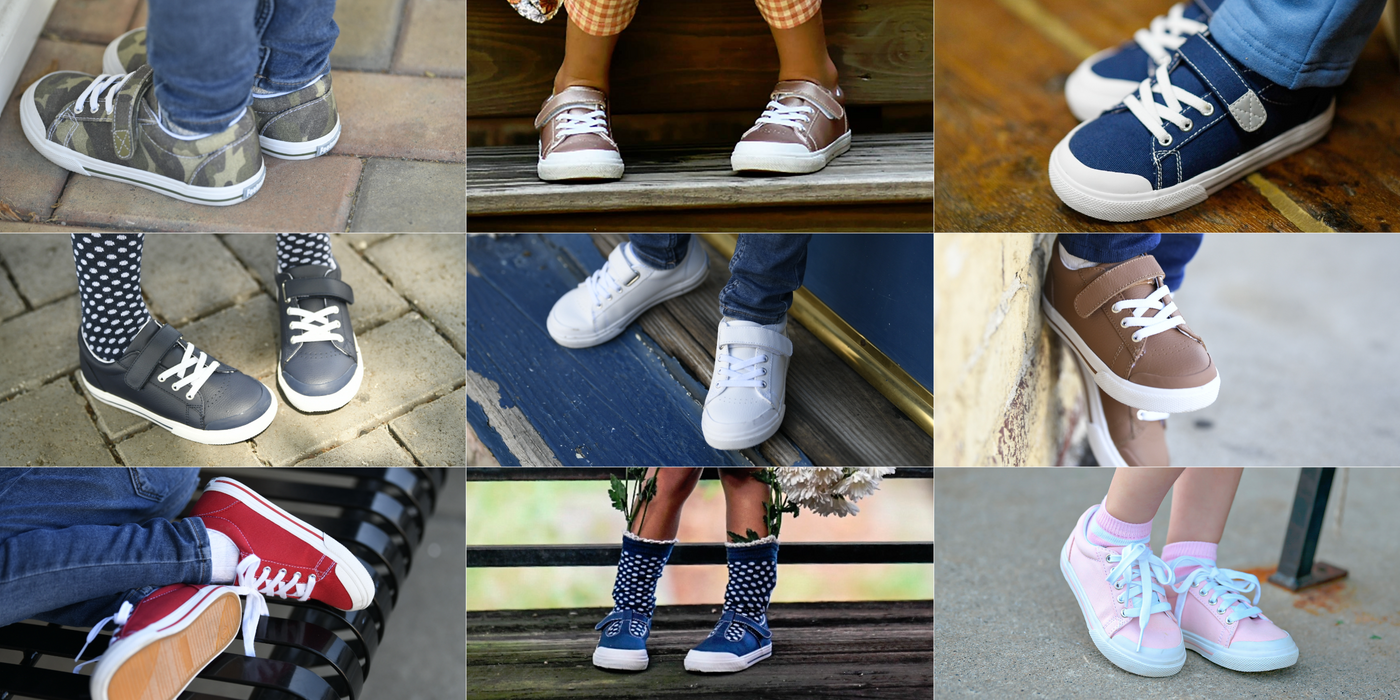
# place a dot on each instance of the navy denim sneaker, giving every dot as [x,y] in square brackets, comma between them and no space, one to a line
[1200,123]
[319,368]
[170,383]
[623,645]
[736,643]
[1102,80]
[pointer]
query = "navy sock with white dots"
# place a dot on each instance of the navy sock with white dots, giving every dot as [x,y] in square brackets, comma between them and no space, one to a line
[295,249]
[753,572]
[109,289]
[638,570]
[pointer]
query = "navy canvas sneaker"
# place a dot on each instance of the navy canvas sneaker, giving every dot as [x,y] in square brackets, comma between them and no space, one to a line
[736,643]
[1102,80]
[1200,123]
[171,383]
[623,644]
[319,367]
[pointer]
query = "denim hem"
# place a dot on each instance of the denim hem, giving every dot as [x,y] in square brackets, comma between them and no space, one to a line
[1085,246]
[206,552]
[1259,56]
[738,315]
[657,263]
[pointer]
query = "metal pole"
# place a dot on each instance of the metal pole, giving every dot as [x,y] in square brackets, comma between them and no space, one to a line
[1296,567]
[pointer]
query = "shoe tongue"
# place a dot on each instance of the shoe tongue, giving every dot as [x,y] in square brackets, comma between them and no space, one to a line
[302,272]
[1201,10]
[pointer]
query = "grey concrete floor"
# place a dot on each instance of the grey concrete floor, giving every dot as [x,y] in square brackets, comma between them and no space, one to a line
[1006,624]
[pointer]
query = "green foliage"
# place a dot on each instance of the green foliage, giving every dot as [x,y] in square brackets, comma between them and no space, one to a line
[633,495]
[751,537]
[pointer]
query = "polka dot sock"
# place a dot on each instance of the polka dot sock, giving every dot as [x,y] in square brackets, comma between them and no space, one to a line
[753,571]
[295,249]
[109,289]
[638,570]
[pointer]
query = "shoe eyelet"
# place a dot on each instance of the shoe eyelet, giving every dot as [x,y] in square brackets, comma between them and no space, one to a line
[1188,126]
[1208,110]
[1118,586]
[763,385]
[1167,141]
[1123,323]
[1122,613]
[1136,339]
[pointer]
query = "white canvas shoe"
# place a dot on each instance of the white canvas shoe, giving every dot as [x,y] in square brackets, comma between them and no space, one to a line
[745,405]
[601,306]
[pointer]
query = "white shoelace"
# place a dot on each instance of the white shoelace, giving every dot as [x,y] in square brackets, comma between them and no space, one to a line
[795,116]
[110,84]
[593,122]
[315,325]
[198,372]
[1226,588]
[602,285]
[1149,325]
[1152,114]
[120,618]
[1167,33]
[255,584]
[1152,415]
[737,372]
[1136,569]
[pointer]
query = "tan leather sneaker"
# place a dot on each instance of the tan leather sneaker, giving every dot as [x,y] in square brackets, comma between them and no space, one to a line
[1123,436]
[1121,320]
[576,141]
[803,128]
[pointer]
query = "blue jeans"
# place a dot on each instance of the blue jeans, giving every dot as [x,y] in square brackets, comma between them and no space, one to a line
[764,272]
[1296,43]
[1172,250]
[77,543]
[206,57]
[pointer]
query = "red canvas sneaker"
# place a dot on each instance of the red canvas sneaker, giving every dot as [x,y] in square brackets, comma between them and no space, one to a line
[280,555]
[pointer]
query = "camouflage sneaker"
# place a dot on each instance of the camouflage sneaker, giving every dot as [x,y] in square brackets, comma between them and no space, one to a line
[106,126]
[296,126]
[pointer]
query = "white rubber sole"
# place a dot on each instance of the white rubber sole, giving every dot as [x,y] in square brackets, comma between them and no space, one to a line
[723,436]
[610,331]
[1119,657]
[301,150]
[1110,206]
[348,570]
[772,157]
[69,159]
[620,659]
[580,165]
[206,437]
[1135,395]
[1100,440]
[720,662]
[211,636]
[329,402]
[1235,661]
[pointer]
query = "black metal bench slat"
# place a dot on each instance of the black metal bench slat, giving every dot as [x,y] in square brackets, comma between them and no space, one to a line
[42,683]
[286,678]
[418,487]
[316,644]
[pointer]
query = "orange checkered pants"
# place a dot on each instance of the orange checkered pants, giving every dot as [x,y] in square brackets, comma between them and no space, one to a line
[608,17]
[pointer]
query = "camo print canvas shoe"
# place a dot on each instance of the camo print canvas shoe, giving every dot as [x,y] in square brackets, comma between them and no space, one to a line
[106,126]
[300,125]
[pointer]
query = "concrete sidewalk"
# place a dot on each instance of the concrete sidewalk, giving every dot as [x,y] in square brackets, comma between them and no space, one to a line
[409,318]
[1008,626]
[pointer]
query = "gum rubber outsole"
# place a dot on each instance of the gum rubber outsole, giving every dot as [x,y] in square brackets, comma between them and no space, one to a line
[163,668]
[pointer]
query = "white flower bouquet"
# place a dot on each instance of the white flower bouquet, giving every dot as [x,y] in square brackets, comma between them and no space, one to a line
[830,490]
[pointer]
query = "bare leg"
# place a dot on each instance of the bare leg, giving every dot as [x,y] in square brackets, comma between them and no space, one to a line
[1200,504]
[1137,492]
[802,53]
[661,518]
[744,497]
[587,59]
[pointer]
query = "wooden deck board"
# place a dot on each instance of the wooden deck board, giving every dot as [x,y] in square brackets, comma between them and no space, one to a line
[850,650]
[915,217]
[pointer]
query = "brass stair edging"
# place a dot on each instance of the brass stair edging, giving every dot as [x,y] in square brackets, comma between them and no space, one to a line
[868,361]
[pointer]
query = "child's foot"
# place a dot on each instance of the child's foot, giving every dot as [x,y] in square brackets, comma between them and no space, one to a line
[1200,123]
[623,644]
[601,306]
[745,405]
[1121,595]
[803,128]
[164,641]
[298,125]
[1102,80]
[176,386]
[576,141]
[741,638]
[1221,623]
[1122,436]
[1121,320]
[319,367]
[107,126]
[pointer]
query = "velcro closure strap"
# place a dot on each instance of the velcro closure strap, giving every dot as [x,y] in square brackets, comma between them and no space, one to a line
[317,287]
[1112,283]
[755,336]
[624,615]
[825,101]
[571,97]
[124,109]
[145,365]
[752,624]
[1223,79]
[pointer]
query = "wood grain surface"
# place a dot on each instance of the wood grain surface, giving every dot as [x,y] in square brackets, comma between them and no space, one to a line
[913,217]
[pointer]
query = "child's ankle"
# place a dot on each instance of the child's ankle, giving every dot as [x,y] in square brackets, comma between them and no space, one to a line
[827,78]
[562,82]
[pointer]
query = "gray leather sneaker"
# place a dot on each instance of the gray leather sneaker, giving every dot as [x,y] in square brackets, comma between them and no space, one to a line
[319,367]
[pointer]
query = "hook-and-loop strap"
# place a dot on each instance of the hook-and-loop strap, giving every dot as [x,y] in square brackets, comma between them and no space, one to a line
[150,356]
[1110,284]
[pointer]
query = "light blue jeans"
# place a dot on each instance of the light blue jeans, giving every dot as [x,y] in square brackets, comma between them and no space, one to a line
[77,543]
[1296,43]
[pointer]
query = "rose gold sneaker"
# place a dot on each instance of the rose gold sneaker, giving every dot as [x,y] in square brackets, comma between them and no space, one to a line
[1122,436]
[1121,321]
[1222,624]
[576,141]
[803,128]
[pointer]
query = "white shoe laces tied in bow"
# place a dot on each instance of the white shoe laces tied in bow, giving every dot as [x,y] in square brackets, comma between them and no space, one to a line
[591,122]
[1226,588]
[732,371]
[110,84]
[1149,325]
[795,116]
[315,325]
[123,613]
[1152,114]
[193,372]
[256,584]
[1136,569]
[1167,33]
[602,285]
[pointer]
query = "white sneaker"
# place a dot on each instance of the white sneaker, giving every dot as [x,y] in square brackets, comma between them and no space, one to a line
[601,306]
[745,404]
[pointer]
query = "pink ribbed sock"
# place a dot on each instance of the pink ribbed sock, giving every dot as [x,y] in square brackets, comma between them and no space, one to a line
[1108,531]
[1200,550]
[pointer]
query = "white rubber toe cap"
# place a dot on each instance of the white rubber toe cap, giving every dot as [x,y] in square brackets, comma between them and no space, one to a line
[1088,93]
[1103,182]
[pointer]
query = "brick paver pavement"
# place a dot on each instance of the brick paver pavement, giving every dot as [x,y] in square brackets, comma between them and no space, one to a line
[399,71]
[409,316]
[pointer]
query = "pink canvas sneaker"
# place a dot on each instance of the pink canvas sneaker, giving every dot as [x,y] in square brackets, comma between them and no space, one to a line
[1120,591]
[1222,624]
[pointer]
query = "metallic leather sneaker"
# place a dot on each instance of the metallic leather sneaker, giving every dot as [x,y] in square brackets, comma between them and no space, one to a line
[802,129]
[745,405]
[169,382]
[297,126]
[1221,623]
[1122,436]
[319,367]
[576,141]
[107,126]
